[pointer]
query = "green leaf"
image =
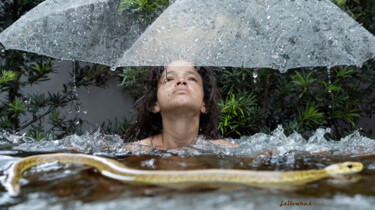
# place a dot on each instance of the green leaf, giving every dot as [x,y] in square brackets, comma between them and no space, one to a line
[311,115]
[7,76]
[16,107]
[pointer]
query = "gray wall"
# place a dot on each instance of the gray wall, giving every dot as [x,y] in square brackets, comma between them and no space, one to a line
[102,104]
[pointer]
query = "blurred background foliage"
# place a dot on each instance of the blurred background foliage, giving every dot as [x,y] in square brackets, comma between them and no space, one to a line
[47,115]
[253,100]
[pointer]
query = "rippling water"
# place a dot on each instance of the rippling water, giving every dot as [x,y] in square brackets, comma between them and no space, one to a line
[62,186]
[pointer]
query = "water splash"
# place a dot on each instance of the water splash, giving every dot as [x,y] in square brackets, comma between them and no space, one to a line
[276,143]
[93,143]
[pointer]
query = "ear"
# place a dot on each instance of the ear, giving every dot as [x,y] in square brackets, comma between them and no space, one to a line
[204,109]
[156,108]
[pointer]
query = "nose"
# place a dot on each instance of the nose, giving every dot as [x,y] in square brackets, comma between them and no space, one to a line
[181,81]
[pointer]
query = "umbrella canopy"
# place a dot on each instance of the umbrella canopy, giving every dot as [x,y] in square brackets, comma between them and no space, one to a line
[271,33]
[84,30]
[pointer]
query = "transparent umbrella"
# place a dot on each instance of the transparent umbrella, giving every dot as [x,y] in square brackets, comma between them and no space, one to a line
[270,33]
[84,30]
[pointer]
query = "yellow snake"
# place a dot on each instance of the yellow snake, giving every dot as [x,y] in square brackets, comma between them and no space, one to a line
[116,170]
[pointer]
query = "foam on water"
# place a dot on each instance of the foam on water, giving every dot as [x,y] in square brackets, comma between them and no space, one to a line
[276,143]
[94,143]
[281,144]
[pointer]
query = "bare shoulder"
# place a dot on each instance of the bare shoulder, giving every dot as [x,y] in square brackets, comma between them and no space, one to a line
[144,144]
[223,143]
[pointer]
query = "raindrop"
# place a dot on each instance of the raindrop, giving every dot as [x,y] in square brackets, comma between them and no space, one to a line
[70,111]
[88,90]
[329,74]
[329,82]
[268,17]
[78,108]
[77,122]
[85,111]
[113,68]
[255,75]
[27,100]
[2,51]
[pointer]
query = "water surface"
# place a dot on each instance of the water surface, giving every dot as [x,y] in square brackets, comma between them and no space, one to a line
[72,186]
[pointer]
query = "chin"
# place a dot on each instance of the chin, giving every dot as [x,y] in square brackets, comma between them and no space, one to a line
[184,104]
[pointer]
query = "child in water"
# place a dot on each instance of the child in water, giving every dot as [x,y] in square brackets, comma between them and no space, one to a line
[178,106]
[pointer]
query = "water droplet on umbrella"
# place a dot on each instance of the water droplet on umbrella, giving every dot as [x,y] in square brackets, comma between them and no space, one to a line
[113,68]
[283,70]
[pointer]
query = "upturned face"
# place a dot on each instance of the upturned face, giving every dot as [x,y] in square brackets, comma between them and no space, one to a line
[183,89]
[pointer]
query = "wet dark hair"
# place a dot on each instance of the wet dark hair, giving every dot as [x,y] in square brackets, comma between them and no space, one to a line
[146,123]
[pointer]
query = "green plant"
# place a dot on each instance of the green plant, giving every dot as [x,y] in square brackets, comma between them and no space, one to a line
[149,9]
[116,126]
[35,108]
[311,115]
[131,80]
[236,114]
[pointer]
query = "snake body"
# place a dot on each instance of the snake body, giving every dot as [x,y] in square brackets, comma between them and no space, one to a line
[116,170]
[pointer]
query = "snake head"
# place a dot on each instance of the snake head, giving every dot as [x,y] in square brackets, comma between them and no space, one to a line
[342,169]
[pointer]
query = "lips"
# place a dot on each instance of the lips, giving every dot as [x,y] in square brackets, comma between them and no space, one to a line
[181,90]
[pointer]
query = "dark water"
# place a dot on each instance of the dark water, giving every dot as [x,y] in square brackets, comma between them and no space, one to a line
[71,186]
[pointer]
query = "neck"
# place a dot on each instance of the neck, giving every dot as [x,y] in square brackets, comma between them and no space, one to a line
[179,129]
